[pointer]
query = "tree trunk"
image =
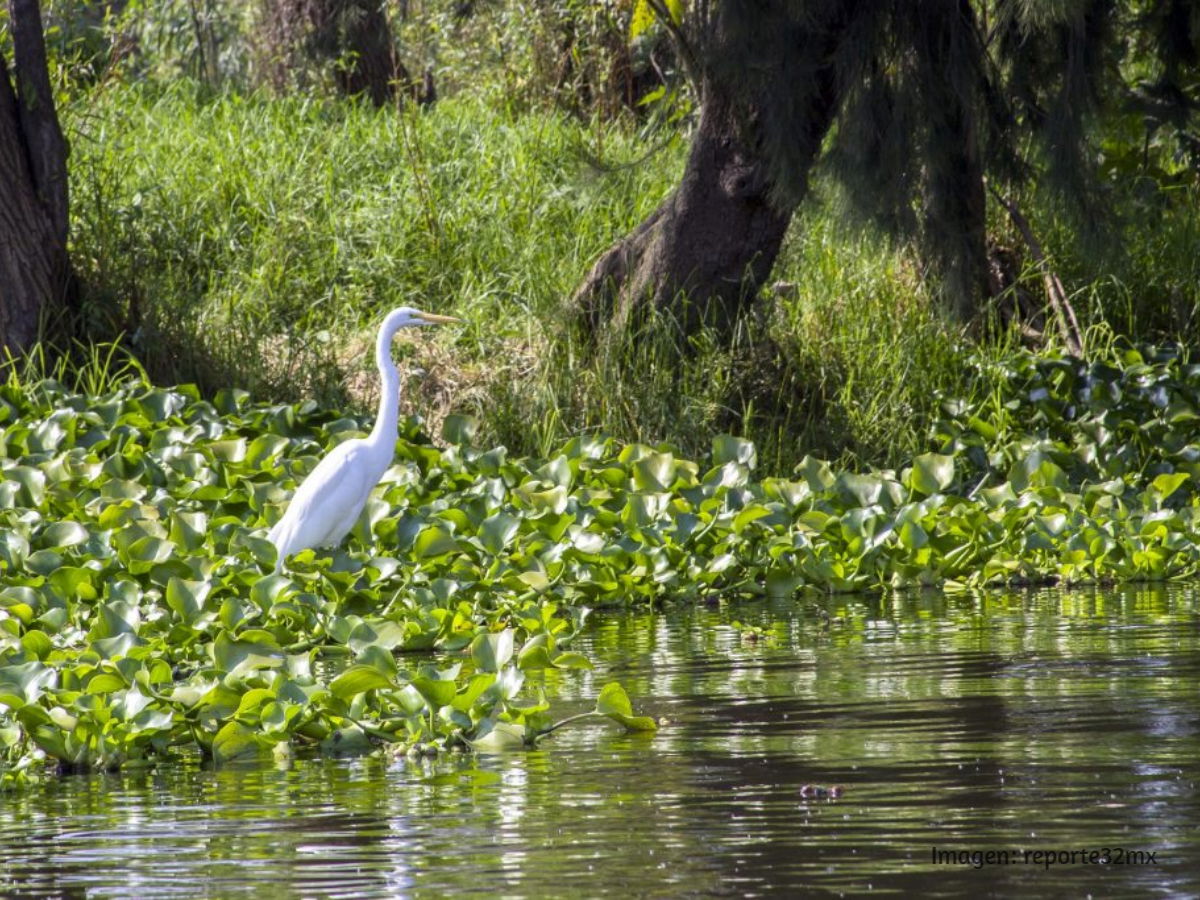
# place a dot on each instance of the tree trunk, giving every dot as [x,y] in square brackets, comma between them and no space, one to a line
[955,219]
[354,34]
[955,197]
[34,269]
[704,253]
[708,246]
[375,70]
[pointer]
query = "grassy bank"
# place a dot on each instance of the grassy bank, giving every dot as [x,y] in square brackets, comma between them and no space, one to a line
[255,241]
[252,241]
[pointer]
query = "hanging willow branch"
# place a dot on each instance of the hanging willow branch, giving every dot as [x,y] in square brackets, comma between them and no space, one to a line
[1064,313]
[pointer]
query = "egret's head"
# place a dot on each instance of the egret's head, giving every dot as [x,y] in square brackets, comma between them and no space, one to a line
[406,316]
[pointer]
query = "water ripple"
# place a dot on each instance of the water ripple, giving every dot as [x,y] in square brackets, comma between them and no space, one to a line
[1017,725]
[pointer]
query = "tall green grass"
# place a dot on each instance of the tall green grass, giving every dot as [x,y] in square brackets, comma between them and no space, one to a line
[91,369]
[255,241]
[235,231]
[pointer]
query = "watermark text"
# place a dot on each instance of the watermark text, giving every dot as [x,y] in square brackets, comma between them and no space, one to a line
[1045,857]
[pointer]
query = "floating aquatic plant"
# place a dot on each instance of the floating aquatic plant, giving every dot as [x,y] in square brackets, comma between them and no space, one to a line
[139,618]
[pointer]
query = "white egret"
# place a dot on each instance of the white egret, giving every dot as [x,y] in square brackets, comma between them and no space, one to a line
[328,503]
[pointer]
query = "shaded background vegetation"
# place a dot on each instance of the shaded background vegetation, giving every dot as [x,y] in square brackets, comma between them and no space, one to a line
[237,220]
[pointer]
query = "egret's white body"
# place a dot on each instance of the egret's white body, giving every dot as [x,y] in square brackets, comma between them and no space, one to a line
[328,503]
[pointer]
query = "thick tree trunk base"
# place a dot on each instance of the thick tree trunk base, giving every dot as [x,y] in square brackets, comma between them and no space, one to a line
[705,253]
[707,249]
[35,271]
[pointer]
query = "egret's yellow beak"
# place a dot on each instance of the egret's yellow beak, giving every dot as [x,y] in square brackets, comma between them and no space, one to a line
[435,319]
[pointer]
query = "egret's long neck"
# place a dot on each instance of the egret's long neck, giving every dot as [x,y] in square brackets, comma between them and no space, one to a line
[388,418]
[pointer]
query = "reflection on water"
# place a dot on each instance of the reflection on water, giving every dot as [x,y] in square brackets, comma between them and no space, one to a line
[1008,722]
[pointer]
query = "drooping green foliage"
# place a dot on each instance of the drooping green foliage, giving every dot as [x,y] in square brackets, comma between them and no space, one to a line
[938,96]
[137,618]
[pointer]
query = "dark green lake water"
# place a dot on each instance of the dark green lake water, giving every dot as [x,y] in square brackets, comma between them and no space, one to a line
[1011,722]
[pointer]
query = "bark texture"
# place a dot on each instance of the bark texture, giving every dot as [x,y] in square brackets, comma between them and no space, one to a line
[706,247]
[34,269]
[955,226]
[374,70]
[954,230]
[354,34]
[704,253]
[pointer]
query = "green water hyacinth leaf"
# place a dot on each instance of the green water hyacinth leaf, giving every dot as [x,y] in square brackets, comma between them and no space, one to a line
[438,692]
[37,643]
[260,549]
[381,635]
[122,489]
[31,483]
[235,612]
[14,548]
[644,509]
[63,534]
[816,473]
[1163,486]
[235,740]
[269,589]
[535,655]
[497,531]
[460,429]
[228,451]
[264,448]
[188,529]
[557,471]
[492,652]
[145,554]
[278,719]
[791,493]
[466,698]
[117,646]
[432,541]
[72,582]
[256,650]
[614,703]
[106,683]
[1035,470]
[63,719]
[931,473]
[129,704]
[727,448]
[359,679]
[748,515]
[379,659]
[913,536]
[149,721]
[498,737]
[654,472]
[118,617]
[25,683]
[552,501]
[508,683]
[411,701]
[44,562]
